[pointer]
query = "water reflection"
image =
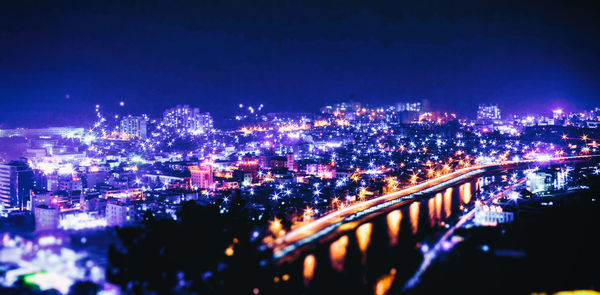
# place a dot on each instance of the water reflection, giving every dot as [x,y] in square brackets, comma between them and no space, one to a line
[376,274]
[310,262]
[434,205]
[385,283]
[414,216]
[438,207]
[363,236]
[448,202]
[431,209]
[337,253]
[465,193]
[393,223]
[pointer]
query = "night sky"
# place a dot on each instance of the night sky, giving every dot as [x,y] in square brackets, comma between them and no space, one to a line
[57,61]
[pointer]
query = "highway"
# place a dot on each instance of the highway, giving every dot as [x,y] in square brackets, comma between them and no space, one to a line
[325,225]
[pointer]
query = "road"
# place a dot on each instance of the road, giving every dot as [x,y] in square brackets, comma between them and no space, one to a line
[318,228]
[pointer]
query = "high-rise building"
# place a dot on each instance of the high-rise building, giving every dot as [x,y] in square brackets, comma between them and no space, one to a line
[16,182]
[488,112]
[119,214]
[201,176]
[409,107]
[206,122]
[188,120]
[134,127]
[408,112]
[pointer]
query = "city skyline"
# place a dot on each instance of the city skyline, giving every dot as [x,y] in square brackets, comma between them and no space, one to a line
[299,147]
[120,113]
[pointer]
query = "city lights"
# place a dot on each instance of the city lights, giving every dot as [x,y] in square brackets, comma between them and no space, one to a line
[299,148]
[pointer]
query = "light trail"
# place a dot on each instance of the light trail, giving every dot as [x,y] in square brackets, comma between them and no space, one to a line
[314,230]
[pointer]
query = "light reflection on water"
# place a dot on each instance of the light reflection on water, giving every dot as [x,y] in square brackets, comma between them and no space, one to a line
[363,237]
[414,216]
[393,223]
[431,209]
[440,207]
[465,193]
[434,205]
[385,282]
[389,266]
[310,263]
[448,202]
[337,253]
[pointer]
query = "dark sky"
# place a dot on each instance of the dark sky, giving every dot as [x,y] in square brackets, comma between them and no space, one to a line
[292,55]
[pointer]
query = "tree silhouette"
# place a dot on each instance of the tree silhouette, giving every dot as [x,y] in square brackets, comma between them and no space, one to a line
[203,252]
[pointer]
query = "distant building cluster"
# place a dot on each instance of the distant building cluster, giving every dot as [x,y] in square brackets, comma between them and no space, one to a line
[134,127]
[188,119]
[488,112]
[490,120]
[409,107]
[295,166]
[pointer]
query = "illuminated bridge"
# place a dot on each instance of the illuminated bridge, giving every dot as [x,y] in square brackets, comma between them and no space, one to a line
[329,242]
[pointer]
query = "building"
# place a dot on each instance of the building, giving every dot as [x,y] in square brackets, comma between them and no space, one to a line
[322,170]
[491,215]
[96,177]
[119,214]
[188,120]
[407,112]
[206,122]
[249,165]
[51,131]
[202,176]
[409,107]
[46,217]
[488,112]
[166,179]
[16,182]
[41,198]
[62,182]
[134,127]
[93,203]
[290,164]
[539,181]
[278,162]
[557,114]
